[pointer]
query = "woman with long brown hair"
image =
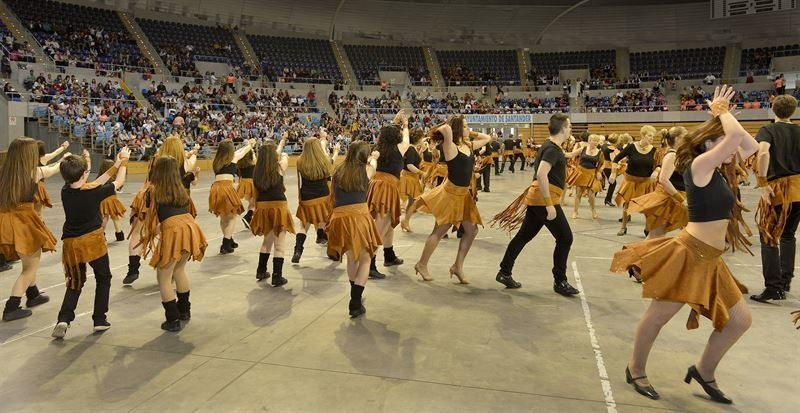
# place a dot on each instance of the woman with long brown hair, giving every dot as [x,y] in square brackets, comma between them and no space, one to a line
[451,203]
[173,147]
[172,235]
[111,208]
[640,175]
[246,190]
[223,201]
[314,169]
[383,196]
[351,229]
[587,177]
[23,235]
[42,198]
[688,269]
[271,218]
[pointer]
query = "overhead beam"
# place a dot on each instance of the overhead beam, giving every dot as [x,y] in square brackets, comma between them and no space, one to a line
[333,21]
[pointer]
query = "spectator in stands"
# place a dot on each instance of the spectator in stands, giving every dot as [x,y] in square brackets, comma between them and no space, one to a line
[230,82]
[749,78]
[780,85]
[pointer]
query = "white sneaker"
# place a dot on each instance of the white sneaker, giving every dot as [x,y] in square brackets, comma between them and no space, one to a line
[60,330]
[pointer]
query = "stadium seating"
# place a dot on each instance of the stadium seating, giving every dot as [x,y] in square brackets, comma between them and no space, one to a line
[368,60]
[601,63]
[86,35]
[758,60]
[472,67]
[684,63]
[189,42]
[294,59]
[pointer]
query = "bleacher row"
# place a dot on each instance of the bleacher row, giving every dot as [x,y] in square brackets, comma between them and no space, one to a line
[88,36]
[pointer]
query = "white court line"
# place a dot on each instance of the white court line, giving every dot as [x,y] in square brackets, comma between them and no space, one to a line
[88,277]
[220,276]
[611,405]
[595,258]
[154,293]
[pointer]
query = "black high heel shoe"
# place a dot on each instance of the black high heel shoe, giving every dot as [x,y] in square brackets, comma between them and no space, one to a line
[716,394]
[633,273]
[646,391]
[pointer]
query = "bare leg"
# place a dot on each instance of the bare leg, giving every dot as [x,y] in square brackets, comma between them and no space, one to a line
[134,246]
[352,266]
[164,276]
[362,272]
[267,244]
[384,224]
[280,245]
[228,225]
[464,245]
[179,274]
[592,200]
[431,243]
[105,222]
[27,278]
[656,316]
[721,341]
[577,203]
[624,229]
[117,224]
[405,222]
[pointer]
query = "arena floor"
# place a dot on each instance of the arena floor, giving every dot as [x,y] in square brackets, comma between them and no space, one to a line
[422,347]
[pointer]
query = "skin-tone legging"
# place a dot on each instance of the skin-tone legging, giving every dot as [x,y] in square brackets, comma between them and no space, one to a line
[227,223]
[384,224]
[174,270]
[661,311]
[358,267]
[27,278]
[464,245]
[274,243]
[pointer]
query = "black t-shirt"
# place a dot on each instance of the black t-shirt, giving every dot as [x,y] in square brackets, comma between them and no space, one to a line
[784,149]
[411,158]
[82,209]
[392,162]
[554,155]
[640,165]
[494,146]
[517,143]
[508,144]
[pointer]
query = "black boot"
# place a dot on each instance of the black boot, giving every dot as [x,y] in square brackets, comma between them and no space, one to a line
[356,306]
[184,307]
[261,270]
[506,279]
[389,257]
[120,236]
[13,311]
[34,297]
[300,239]
[226,247]
[322,237]
[247,218]
[172,315]
[277,273]
[234,245]
[133,269]
[4,265]
[373,271]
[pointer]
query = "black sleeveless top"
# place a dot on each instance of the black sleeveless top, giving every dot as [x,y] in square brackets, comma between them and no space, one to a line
[32,195]
[313,189]
[247,172]
[588,161]
[276,192]
[168,211]
[186,178]
[713,202]
[229,169]
[391,162]
[640,165]
[459,169]
[676,179]
[411,158]
[342,198]
[427,155]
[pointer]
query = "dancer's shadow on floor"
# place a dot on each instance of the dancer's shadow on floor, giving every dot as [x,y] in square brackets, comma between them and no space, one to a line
[374,349]
[268,305]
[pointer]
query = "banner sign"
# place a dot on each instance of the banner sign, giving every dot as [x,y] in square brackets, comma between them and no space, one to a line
[500,118]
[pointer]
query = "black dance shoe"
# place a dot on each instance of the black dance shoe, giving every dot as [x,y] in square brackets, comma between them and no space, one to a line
[716,394]
[767,295]
[507,280]
[358,311]
[565,289]
[171,326]
[646,391]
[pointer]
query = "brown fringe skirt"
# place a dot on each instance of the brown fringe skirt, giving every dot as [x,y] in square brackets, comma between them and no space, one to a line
[352,228]
[272,216]
[661,210]
[686,270]
[314,211]
[111,207]
[581,177]
[23,231]
[41,197]
[246,189]
[383,196]
[449,204]
[192,208]
[633,187]
[770,221]
[223,199]
[410,185]
[82,250]
[437,171]
[178,235]
[513,216]
[138,203]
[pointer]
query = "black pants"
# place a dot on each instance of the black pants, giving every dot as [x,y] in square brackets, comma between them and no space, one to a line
[483,179]
[102,274]
[521,158]
[507,158]
[611,187]
[535,219]
[777,263]
[496,165]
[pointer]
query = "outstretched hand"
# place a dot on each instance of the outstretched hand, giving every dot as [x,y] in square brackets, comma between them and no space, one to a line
[721,102]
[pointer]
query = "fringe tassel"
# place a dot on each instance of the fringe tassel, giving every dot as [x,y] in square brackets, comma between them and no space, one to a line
[512,217]
[770,223]
[738,232]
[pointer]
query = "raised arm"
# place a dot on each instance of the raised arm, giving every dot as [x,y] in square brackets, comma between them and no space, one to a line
[49,156]
[191,158]
[283,159]
[241,152]
[704,164]
[372,164]
[479,140]
[47,171]
[119,169]
[448,147]
[575,152]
